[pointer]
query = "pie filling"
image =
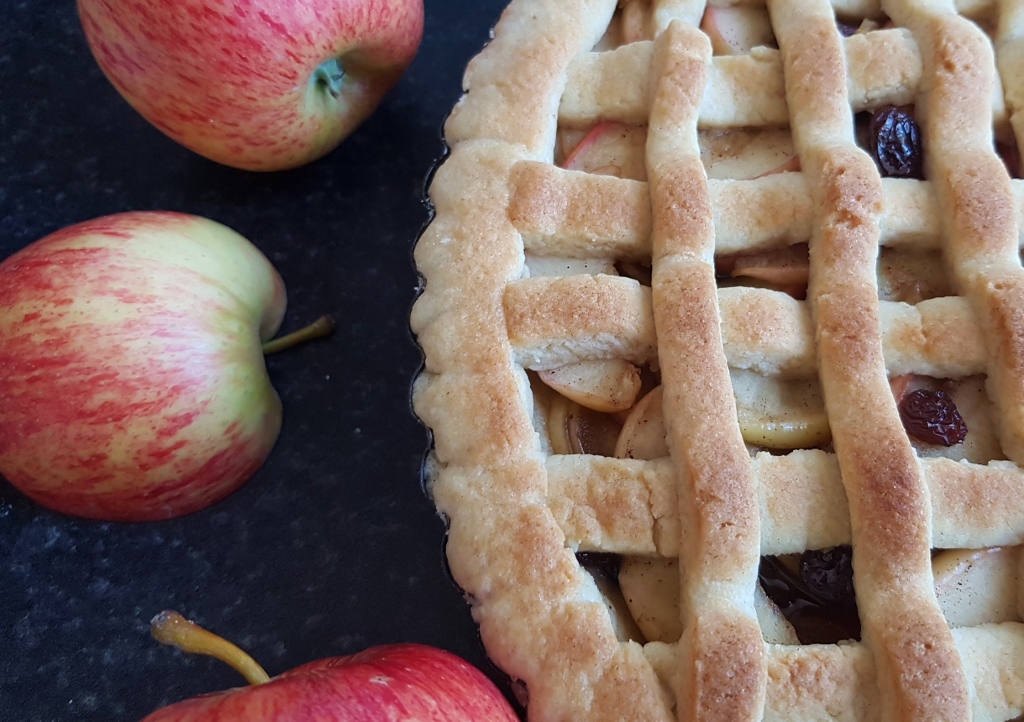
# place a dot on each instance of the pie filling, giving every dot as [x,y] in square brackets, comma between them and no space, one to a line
[613,408]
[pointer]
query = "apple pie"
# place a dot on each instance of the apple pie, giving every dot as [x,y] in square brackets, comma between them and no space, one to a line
[723,325]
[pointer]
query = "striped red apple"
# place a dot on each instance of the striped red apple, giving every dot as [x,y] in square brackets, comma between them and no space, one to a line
[255,84]
[399,682]
[132,379]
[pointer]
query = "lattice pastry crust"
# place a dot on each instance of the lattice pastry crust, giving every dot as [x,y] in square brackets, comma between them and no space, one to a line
[496,314]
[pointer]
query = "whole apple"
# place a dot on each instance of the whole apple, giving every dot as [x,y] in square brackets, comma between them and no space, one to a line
[132,379]
[255,84]
[394,682]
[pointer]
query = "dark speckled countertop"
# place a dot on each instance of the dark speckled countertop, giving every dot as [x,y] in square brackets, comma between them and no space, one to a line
[332,546]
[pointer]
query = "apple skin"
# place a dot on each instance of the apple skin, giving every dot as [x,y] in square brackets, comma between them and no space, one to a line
[411,682]
[132,380]
[237,81]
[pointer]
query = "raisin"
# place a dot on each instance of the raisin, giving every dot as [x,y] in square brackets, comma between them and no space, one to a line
[895,141]
[846,30]
[605,563]
[828,574]
[1011,157]
[931,417]
[815,620]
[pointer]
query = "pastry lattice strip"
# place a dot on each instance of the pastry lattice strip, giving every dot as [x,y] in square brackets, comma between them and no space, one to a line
[721,665]
[553,321]
[743,90]
[630,506]
[840,682]
[887,497]
[572,214]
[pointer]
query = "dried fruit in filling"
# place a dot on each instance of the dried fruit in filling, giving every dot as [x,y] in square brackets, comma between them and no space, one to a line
[895,142]
[816,594]
[931,417]
[829,574]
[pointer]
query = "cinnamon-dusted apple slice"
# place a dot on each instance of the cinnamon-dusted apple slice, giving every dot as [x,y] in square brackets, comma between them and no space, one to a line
[783,269]
[977,586]
[912,275]
[540,410]
[611,148]
[777,413]
[736,29]
[575,429]
[650,587]
[792,165]
[774,625]
[773,413]
[643,431]
[606,385]
[747,153]
[603,568]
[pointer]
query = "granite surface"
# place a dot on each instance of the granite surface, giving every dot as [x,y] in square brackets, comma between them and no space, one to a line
[332,546]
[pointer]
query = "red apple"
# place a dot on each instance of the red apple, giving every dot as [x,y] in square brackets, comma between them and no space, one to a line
[132,380]
[393,682]
[255,84]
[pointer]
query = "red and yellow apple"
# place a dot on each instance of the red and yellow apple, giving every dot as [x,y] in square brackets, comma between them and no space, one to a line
[132,379]
[400,682]
[255,84]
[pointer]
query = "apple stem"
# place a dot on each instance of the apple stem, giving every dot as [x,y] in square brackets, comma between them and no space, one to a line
[318,329]
[169,627]
[329,76]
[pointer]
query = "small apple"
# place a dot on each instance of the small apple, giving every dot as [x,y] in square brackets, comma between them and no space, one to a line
[254,84]
[132,379]
[398,682]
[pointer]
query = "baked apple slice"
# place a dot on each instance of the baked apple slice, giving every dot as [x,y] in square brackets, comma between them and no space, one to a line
[736,29]
[606,385]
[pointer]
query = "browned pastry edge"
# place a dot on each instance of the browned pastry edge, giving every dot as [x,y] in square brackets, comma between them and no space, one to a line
[540,615]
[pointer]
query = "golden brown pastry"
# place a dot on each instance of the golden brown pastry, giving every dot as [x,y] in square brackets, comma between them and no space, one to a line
[709,285]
